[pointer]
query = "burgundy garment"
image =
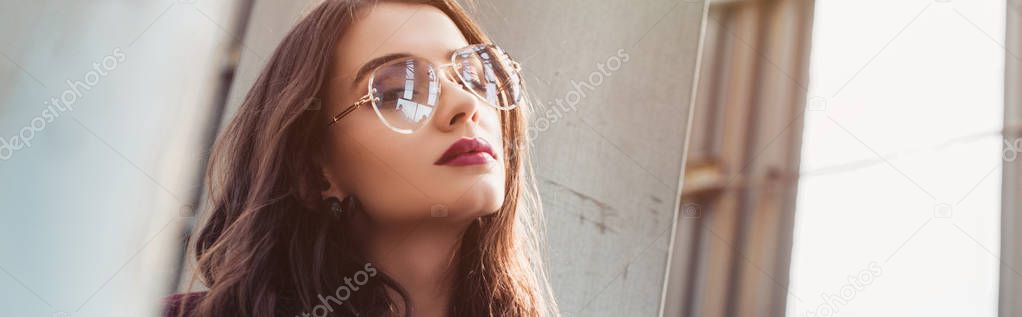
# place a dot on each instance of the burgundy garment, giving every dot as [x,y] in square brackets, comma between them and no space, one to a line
[172,304]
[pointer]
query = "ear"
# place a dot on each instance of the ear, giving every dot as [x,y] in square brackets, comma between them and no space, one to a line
[332,185]
[331,178]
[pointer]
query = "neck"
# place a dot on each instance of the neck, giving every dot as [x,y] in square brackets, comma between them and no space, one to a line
[421,258]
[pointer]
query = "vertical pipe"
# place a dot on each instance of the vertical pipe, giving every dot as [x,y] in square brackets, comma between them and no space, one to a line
[1011,223]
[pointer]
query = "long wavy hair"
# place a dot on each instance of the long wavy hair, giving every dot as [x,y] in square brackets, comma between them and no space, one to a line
[266,248]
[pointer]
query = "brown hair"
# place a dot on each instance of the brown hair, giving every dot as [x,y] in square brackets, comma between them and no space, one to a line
[266,248]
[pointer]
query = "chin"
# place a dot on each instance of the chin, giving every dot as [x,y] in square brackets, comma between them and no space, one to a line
[481,201]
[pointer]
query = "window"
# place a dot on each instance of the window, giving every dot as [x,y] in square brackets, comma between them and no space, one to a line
[898,208]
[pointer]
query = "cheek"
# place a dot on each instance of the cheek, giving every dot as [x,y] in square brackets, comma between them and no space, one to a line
[384,173]
[489,120]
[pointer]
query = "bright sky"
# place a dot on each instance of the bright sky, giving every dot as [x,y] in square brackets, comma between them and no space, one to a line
[907,100]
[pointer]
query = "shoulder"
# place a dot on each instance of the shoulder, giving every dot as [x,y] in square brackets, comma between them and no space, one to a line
[173,305]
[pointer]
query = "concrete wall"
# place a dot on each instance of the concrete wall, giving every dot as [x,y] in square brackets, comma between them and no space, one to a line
[609,162]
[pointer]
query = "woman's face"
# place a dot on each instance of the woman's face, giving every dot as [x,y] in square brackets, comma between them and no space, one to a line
[394,175]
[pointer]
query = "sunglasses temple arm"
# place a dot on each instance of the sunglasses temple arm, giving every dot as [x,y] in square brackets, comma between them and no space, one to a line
[356,105]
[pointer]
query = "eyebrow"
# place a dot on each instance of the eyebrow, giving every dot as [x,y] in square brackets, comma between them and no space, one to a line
[374,63]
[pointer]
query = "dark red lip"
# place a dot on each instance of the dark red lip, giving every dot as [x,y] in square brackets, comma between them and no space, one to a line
[466,151]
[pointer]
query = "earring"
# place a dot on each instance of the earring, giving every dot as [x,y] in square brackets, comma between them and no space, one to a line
[334,207]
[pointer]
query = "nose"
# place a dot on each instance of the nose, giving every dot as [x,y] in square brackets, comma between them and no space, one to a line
[457,107]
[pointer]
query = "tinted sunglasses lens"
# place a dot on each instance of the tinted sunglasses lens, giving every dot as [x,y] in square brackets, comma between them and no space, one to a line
[487,72]
[405,93]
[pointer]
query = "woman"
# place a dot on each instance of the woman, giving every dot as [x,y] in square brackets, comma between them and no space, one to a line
[377,167]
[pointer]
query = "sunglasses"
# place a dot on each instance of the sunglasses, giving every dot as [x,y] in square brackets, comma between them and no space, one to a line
[404,92]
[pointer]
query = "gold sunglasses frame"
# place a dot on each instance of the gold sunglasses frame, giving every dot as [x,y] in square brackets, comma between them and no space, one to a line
[368,97]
